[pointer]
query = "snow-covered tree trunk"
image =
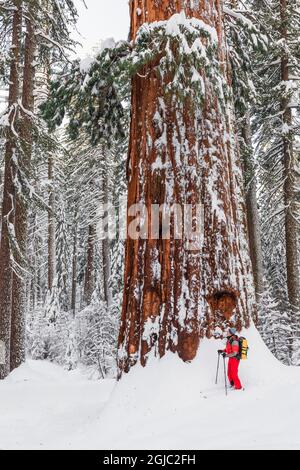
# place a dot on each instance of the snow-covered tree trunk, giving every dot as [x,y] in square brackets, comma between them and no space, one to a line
[44,80]
[8,195]
[252,212]
[34,281]
[181,153]
[290,171]
[89,281]
[74,266]
[51,224]
[105,248]
[21,204]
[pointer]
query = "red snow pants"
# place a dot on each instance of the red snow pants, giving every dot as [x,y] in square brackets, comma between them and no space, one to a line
[233,369]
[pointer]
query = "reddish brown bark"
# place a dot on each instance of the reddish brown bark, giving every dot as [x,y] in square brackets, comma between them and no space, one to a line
[21,208]
[173,296]
[8,195]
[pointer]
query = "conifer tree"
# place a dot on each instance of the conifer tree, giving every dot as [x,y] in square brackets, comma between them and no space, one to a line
[8,186]
[276,130]
[246,36]
[24,137]
[24,156]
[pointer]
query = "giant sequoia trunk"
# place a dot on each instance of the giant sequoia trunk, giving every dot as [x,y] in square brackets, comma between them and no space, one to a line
[21,209]
[8,198]
[183,154]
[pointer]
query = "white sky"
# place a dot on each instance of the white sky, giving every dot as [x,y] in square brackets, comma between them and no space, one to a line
[101,20]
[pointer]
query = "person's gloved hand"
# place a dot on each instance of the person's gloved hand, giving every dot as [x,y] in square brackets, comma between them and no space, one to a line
[224,354]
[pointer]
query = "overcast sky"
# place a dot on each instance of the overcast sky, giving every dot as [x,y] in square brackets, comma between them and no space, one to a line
[102,19]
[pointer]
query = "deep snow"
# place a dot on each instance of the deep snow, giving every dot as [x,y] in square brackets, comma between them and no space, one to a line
[168,405]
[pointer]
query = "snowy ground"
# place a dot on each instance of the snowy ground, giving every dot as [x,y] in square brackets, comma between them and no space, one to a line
[168,405]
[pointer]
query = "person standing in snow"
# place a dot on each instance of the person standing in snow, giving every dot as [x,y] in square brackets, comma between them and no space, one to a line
[232,352]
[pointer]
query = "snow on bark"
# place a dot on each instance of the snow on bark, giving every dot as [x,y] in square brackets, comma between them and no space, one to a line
[17,355]
[253,217]
[8,198]
[290,172]
[51,225]
[182,152]
[89,283]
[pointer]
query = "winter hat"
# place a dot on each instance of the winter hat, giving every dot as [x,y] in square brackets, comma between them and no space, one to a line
[232,331]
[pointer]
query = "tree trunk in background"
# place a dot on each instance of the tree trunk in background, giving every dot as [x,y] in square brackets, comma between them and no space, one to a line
[21,209]
[105,244]
[43,81]
[34,280]
[89,284]
[174,296]
[252,211]
[8,197]
[51,225]
[290,172]
[74,269]
[106,270]
[253,219]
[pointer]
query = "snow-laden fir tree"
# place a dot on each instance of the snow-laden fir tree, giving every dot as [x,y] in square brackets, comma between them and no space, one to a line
[245,37]
[94,171]
[21,132]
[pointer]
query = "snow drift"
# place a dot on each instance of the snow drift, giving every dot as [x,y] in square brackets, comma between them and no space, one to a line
[172,405]
[167,405]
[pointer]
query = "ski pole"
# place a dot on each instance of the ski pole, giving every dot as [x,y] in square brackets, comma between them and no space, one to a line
[218,369]
[225,375]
